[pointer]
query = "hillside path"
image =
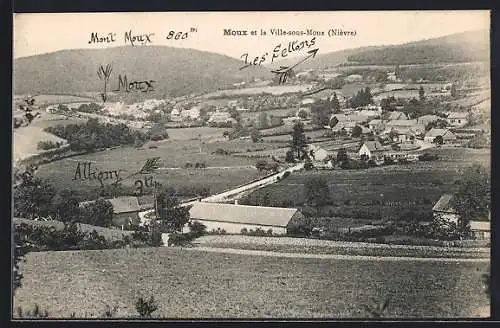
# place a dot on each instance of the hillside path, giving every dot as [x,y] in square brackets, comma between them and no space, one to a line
[334,256]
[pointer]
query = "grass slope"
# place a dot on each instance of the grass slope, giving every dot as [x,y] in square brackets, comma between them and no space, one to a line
[177,71]
[192,284]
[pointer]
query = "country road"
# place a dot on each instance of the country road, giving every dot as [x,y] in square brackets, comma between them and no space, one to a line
[235,193]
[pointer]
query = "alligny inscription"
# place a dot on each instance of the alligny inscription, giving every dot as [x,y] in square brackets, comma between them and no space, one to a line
[84,171]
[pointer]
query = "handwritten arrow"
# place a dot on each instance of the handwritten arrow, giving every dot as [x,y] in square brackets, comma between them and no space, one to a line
[283,69]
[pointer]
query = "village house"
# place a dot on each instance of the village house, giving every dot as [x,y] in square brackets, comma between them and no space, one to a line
[353,78]
[191,114]
[233,218]
[376,125]
[443,209]
[400,134]
[426,119]
[457,119]
[401,123]
[446,135]
[221,118]
[125,210]
[372,150]
[317,153]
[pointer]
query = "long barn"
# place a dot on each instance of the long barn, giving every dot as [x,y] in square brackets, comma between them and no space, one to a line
[233,218]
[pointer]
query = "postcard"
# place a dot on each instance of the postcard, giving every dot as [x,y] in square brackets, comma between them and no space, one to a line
[251,165]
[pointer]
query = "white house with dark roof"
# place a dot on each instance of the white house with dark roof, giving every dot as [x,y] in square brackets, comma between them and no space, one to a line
[233,218]
[433,133]
[372,150]
[457,119]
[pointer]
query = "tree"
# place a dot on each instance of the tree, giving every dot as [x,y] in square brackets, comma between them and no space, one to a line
[261,165]
[289,157]
[472,199]
[263,121]
[356,131]
[173,215]
[99,213]
[255,135]
[397,72]
[335,104]
[342,155]
[302,114]
[453,90]
[421,93]
[298,138]
[317,192]
[32,196]
[65,206]
[438,140]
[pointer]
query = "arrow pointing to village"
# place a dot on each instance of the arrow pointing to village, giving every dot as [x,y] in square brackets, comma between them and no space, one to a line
[284,69]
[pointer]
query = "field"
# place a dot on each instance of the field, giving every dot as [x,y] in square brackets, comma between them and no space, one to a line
[194,133]
[195,284]
[275,90]
[25,141]
[386,190]
[222,172]
[43,100]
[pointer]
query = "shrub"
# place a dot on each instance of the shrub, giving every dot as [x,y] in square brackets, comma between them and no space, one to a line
[181,239]
[46,145]
[145,308]
[286,174]
[197,229]
[244,231]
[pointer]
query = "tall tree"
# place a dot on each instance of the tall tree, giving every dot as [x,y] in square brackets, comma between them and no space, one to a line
[173,215]
[99,213]
[421,93]
[32,196]
[298,139]
[397,72]
[335,104]
[472,199]
[453,90]
[317,192]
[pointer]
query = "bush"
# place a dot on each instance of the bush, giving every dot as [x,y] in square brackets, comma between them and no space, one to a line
[181,239]
[46,145]
[286,174]
[145,308]
[197,229]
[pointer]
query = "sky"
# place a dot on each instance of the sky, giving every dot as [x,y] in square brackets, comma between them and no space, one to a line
[36,33]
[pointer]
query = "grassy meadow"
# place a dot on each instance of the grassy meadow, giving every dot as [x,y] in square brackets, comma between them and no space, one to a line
[196,284]
[386,191]
[222,172]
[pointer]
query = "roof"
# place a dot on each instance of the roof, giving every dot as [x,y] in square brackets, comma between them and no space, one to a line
[122,204]
[269,216]
[444,204]
[374,122]
[457,115]
[397,116]
[125,204]
[426,119]
[407,123]
[480,225]
[374,146]
[432,133]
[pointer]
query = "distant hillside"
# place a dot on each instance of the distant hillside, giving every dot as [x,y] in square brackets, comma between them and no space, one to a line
[455,48]
[177,71]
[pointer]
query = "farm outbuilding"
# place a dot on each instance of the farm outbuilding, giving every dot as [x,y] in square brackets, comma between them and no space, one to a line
[125,210]
[233,218]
